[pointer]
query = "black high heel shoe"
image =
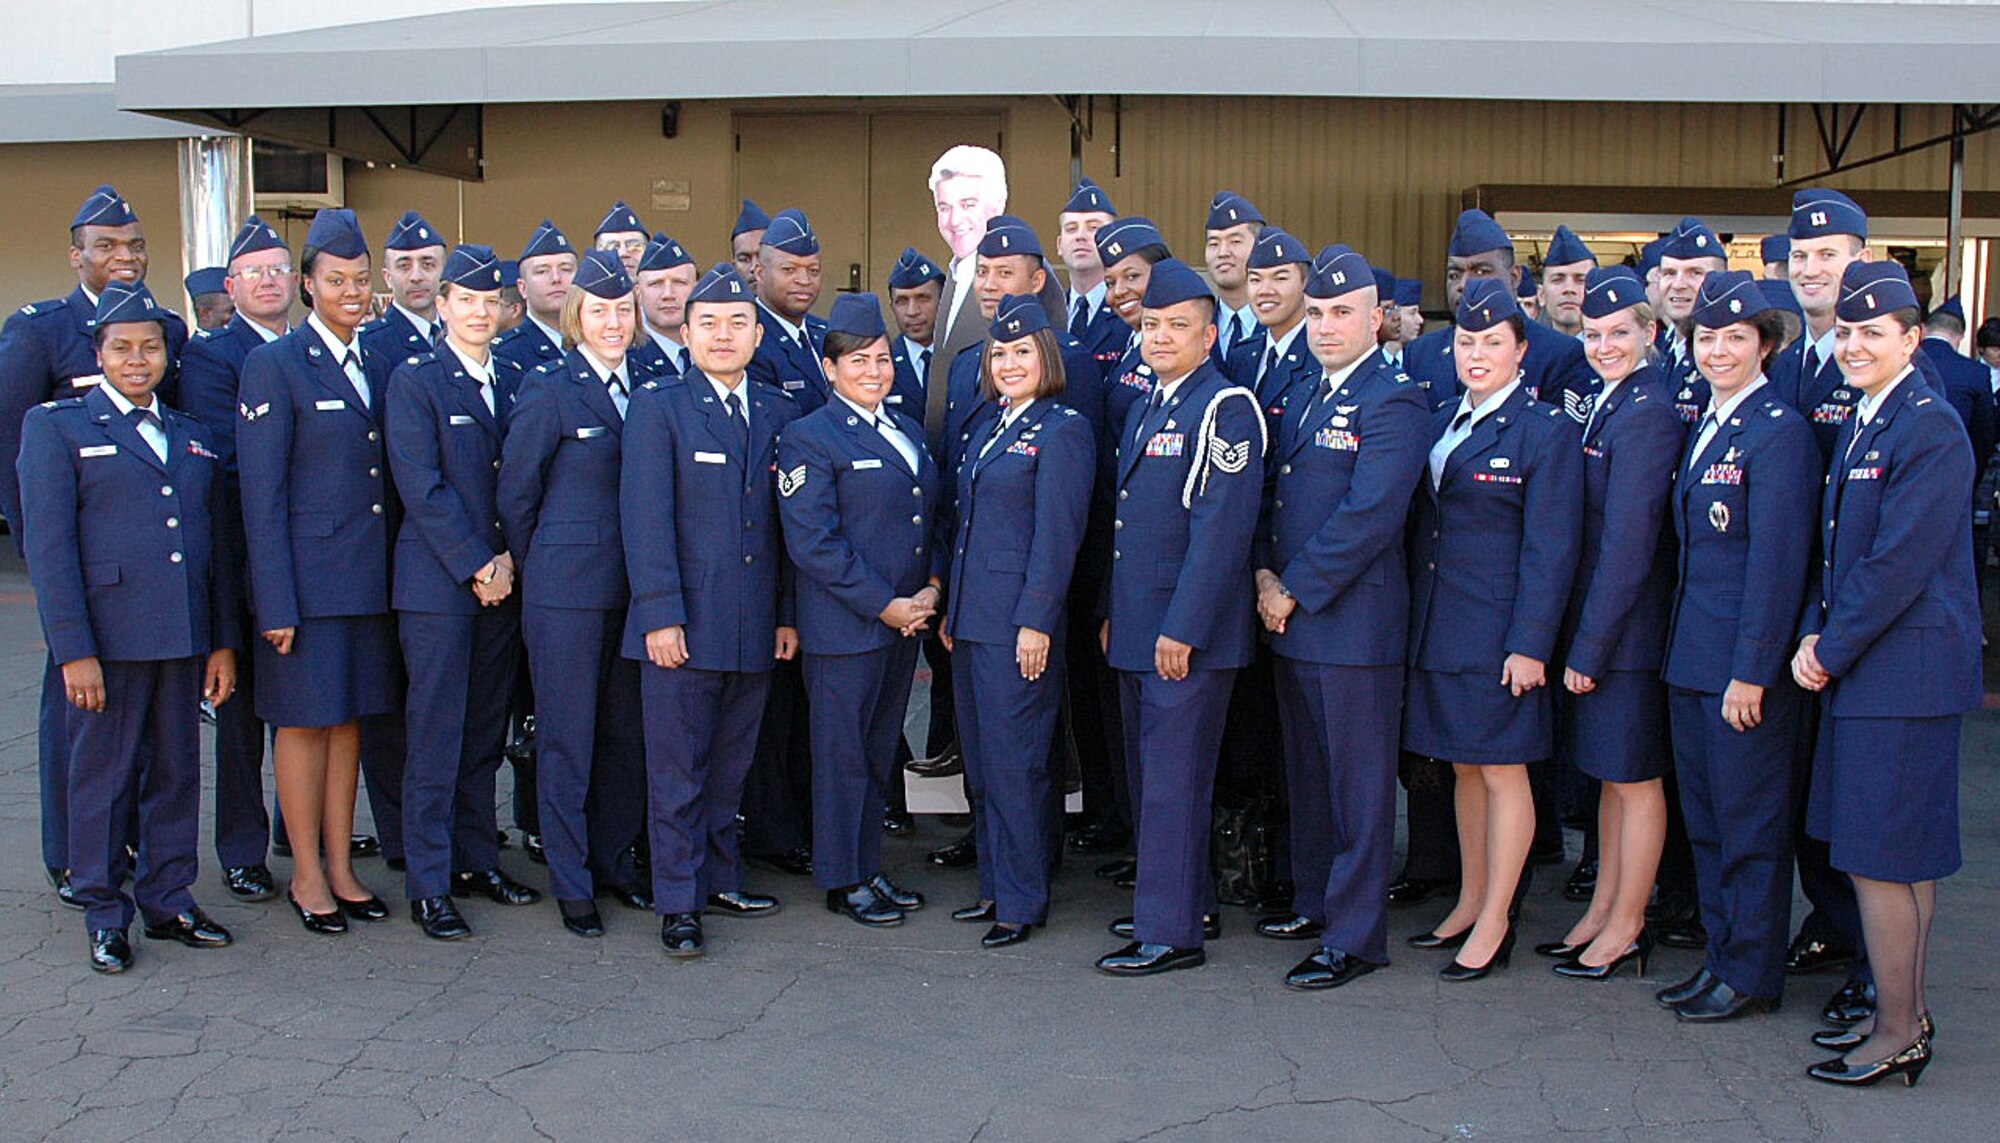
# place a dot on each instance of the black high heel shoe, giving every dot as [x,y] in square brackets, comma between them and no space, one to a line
[1908,1063]
[1560,950]
[1640,953]
[369,909]
[325,924]
[1845,1039]
[1432,942]
[1457,972]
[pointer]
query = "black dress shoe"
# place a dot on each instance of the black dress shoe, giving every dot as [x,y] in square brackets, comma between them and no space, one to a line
[581,918]
[797,861]
[371,909]
[1122,869]
[531,844]
[109,950]
[396,863]
[1211,927]
[1000,936]
[1683,932]
[680,935]
[633,897]
[1809,955]
[1098,837]
[949,763]
[495,886]
[899,823]
[1138,959]
[364,845]
[323,924]
[64,893]
[1560,950]
[1459,972]
[1582,882]
[1415,890]
[1719,1002]
[1327,968]
[978,913]
[192,928]
[1908,1063]
[1432,942]
[249,882]
[739,904]
[861,904]
[1853,1003]
[439,918]
[908,900]
[958,855]
[1668,997]
[1293,928]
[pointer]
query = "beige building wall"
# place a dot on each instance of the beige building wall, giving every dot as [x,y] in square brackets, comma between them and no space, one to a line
[42,184]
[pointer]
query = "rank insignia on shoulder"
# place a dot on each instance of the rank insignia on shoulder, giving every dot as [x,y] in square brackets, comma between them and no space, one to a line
[1232,458]
[250,414]
[414,359]
[28,309]
[1774,413]
[790,482]
[1921,402]
[653,385]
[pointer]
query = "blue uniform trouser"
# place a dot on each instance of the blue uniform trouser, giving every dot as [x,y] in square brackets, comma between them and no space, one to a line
[1341,727]
[461,670]
[858,703]
[1005,724]
[1173,735]
[777,799]
[141,752]
[1736,792]
[53,760]
[701,735]
[590,769]
[242,821]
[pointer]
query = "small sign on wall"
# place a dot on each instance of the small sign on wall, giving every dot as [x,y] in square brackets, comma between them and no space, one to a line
[671,194]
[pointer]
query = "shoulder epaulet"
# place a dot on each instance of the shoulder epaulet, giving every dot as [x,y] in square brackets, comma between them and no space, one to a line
[1399,378]
[64,403]
[1554,413]
[205,334]
[1641,396]
[650,384]
[1920,402]
[47,307]
[1068,412]
[414,359]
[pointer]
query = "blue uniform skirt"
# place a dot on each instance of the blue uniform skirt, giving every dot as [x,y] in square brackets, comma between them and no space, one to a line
[1618,732]
[341,668]
[1468,717]
[1885,796]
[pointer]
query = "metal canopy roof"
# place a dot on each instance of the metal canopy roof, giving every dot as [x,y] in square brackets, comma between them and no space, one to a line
[77,113]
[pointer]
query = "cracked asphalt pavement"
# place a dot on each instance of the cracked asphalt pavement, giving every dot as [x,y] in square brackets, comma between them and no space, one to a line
[805,1025]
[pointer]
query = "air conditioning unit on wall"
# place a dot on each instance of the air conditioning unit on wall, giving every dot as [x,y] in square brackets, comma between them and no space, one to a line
[293,180]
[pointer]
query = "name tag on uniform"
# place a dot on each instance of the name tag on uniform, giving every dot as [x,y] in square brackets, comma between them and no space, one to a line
[871,462]
[98,450]
[711,458]
[893,399]
[460,419]
[1722,474]
[1337,439]
[1167,444]
[1874,473]
[587,433]
[332,406]
[90,381]
[792,386]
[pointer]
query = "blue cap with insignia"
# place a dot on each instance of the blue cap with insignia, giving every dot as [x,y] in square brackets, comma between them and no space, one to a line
[473,267]
[1820,211]
[789,231]
[1121,238]
[1728,297]
[1477,233]
[1172,283]
[1951,308]
[620,219]
[857,315]
[721,284]
[1088,198]
[912,269]
[1229,209]
[1276,248]
[126,301]
[208,281]
[663,253]
[1409,292]
[104,207]
[1649,255]
[1775,248]
[336,231]
[411,232]
[1006,236]
[1566,249]
[1485,303]
[546,240]
[751,217]
[254,236]
[1017,316]
[1778,293]
[1385,285]
[602,273]
[1871,289]
[510,272]
[1527,287]
[1692,239]
[1338,270]
[1608,289]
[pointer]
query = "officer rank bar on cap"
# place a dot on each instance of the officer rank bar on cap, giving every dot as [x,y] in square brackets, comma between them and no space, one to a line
[546,240]
[1088,198]
[1566,249]
[104,207]
[1017,316]
[1276,248]
[205,281]
[1409,292]
[750,218]
[1477,233]
[473,267]
[1692,239]
[125,302]
[254,236]
[1006,236]
[411,232]
[602,273]
[1229,209]
[857,315]
[620,219]
[1121,238]
[663,253]
[1819,211]
[721,284]
[1728,297]
[1609,289]
[912,269]
[1485,303]
[1339,270]
[337,232]
[1871,289]
[1172,283]
[790,232]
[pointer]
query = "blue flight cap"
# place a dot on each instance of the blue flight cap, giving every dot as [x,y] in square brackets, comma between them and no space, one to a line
[663,253]
[1779,296]
[1017,316]
[602,273]
[472,267]
[1229,209]
[1088,198]
[1527,287]
[104,207]
[1608,289]
[857,315]
[1775,248]
[1819,211]
[1276,248]
[1649,255]
[208,281]
[620,219]
[510,272]
[1485,303]
[1477,233]
[1566,249]
[126,301]
[1006,236]
[912,269]
[1728,297]
[1871,289]
[411,232]
[1409,292]
[546,240]
[1172,283]
[254,236]
[1692,239]
[720,285]
[1385,285]
[336,231]
[1952,309]
[789,231]
[1121,238]
[1339,270]
[751,217]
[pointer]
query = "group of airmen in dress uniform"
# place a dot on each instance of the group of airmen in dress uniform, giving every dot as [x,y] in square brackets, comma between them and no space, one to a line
[1692,548]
